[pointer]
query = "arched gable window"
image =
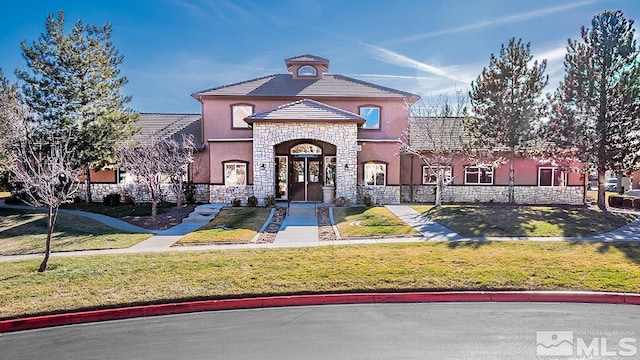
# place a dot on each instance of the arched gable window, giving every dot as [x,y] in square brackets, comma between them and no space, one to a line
[307,70]
[306,149]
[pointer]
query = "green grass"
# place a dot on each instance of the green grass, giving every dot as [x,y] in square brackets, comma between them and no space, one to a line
[372,221]
[22,232]
[92,282]
[230,225]
[505,220]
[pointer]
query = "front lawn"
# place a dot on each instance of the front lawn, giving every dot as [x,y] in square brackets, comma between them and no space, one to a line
[120,211]
[238,225]
[93,282]
[370,222]
[516,220]
[23,232]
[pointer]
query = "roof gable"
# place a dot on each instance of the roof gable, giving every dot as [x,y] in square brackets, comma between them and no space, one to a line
[306,110]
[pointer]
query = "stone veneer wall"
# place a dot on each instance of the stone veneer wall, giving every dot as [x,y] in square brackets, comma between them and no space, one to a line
[570,195]
[381,195]
[268,134]
[138,192]
[220,194]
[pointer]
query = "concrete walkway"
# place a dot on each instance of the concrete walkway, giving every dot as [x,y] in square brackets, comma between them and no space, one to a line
[300,226]
[429,229]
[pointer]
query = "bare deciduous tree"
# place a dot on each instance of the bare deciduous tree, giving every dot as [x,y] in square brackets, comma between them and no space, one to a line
[46,174]
[152,160]
[179,154]
[141,158]
[436,136]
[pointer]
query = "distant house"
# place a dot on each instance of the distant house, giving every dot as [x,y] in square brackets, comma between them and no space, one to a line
[308,135]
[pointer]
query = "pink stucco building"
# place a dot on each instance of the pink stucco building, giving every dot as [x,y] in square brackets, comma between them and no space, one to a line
[309,135]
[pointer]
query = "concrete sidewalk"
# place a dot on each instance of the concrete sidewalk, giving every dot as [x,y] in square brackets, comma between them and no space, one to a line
[300,226]
[429,229]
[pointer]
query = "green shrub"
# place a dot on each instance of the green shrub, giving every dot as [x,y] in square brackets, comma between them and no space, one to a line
[627,202]
[615,201]
[235,203]
[367,200]
[252,201]
[189,193]
[112,199]
[342,201]
[270,201]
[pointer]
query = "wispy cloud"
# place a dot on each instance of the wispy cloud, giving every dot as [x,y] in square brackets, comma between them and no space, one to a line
[222,10]
[394,58]
[509,19]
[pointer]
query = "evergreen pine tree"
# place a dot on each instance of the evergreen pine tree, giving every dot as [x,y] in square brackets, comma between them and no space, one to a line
[73,85]
[596,109]
[506,103]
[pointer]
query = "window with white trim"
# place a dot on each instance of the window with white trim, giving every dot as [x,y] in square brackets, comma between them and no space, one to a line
[429,174]
[478,175]
[235,174]
[375,174]
[550,176]
[238,113]
[307,70]
[371,114]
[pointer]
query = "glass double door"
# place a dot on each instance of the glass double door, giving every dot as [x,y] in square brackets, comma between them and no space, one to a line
[305,179]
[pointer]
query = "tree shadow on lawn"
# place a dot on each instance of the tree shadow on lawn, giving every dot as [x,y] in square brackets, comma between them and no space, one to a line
[524,220]
[630,249]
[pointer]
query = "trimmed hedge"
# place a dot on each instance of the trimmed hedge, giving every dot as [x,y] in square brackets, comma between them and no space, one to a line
[615,201]
[624,202]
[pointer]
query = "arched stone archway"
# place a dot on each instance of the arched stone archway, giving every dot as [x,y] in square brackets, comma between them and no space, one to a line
[266,135]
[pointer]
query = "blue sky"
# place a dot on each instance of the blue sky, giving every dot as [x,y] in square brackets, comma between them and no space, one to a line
[173,48]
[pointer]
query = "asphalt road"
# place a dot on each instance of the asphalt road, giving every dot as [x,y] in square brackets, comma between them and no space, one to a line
[390,331]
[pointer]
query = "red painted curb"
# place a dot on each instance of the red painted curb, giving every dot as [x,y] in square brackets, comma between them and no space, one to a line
[608,298]
[319,299]
[633,299]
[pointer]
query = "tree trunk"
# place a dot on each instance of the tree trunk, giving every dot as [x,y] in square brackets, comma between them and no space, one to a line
[51,221]
[154,209]
[601,194]
[512,180]
[179,194]
[439,186]
[87,184]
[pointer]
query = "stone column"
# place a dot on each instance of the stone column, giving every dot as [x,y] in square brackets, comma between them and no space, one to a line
[263,163]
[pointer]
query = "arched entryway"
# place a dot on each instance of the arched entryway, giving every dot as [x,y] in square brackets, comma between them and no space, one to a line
[303,167]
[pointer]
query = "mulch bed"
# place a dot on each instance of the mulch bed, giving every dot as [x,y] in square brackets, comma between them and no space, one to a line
[169,218]
[270,232]
[325,229]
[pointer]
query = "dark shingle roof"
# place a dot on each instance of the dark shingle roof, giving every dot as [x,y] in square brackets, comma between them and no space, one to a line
[428,133]
[284,85]
[171,125]
[306,110]
[306,59]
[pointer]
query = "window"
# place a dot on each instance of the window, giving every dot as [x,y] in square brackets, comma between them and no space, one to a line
[429,174]
[307,70]
[235,174]
[306,149]
[238,113]
[375,174]
[551,177]
[478,175]
[371,116]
